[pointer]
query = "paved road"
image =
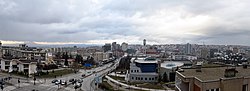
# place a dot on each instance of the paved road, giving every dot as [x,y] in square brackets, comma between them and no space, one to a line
[46,85]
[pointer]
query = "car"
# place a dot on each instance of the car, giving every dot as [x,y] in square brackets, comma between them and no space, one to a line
[78,85]
[54,81]
[79,81]
[63,82]
[83,75]
[58,82]
[71,80]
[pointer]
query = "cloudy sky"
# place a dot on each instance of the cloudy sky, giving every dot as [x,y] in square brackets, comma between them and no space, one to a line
[105,21]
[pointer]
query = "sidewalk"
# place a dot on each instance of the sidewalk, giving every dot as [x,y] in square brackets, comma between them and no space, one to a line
[133,87]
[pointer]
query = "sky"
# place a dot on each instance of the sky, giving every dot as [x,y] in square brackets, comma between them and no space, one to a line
[48,22]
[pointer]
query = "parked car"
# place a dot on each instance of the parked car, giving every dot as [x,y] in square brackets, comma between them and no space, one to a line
[71,80]
[58,82]
[63,82]
[54,81]
[83,75]
[78,85]
[79,80]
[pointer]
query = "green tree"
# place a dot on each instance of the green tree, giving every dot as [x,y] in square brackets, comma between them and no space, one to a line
[79,59]
[66,57]
[159,79]
[165,77]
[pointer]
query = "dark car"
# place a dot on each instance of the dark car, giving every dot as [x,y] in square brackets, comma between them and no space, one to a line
[71,80]
[83,75]
[54,81]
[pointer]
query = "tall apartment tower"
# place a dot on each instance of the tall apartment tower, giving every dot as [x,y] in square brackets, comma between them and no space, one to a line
[144,46]
[1,52]
[188,48]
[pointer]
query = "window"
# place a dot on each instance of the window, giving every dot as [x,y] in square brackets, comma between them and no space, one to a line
[217,89]
[132,78]
[131,71]
[153,79]
[245,87]
[146,79]
[149,78]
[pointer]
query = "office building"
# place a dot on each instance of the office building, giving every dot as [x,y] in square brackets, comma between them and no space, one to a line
[143,69]
[188,48]
[124,46]
[107,47]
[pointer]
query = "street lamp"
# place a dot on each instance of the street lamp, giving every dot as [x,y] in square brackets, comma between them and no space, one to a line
[34,80]
[2,87]
[18,82]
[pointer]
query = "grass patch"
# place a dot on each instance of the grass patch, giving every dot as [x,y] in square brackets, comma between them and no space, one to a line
[57,73]
[106,86]
[211,65]
[118,78]
[151,86]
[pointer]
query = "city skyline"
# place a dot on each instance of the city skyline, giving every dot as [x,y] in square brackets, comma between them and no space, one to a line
[98,22]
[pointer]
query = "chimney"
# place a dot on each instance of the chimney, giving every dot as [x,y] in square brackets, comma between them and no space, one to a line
[230,72]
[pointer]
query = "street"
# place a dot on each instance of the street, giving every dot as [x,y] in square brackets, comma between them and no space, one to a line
[46,85]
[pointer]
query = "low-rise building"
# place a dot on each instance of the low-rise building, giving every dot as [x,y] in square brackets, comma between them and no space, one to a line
[5,64]
[213,79]
[25,66]
[143,70]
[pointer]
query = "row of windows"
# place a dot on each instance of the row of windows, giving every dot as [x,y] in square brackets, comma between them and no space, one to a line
[146,78]
[217,89]
[134,71]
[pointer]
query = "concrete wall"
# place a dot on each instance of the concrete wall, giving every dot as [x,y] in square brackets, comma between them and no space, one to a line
[2,65]
[20,67]
[32,68]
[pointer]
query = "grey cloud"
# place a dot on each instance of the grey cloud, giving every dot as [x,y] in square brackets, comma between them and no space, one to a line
[83,20]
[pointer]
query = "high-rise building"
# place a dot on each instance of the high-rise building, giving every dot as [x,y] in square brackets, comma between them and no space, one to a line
[188,48]
[107,47]
[144,46]
[1,52]
[124,46]
[204,53]
[144,42]
[114,46]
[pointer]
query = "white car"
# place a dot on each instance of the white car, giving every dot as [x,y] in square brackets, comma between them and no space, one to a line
[63,82]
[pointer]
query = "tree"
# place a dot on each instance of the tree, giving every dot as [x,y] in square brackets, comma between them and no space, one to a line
[165,77]
[58,55]
[66,57]
[159,79]
[70,56]
[79,59]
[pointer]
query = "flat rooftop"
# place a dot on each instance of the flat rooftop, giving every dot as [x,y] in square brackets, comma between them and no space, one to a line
[210,74]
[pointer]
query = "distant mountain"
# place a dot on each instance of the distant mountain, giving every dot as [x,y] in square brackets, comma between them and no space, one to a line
[32,44]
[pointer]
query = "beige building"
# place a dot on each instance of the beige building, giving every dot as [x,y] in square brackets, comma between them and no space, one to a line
[213,79]
[26,66]
[1,52]
[100,56]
